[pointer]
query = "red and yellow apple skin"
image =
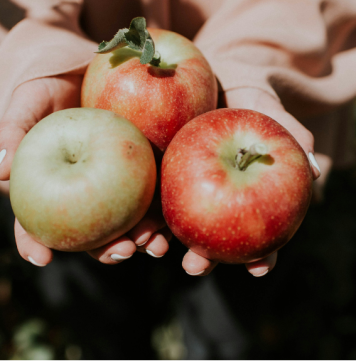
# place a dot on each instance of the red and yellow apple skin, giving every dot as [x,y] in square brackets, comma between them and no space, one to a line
[81,178]
[158,100]
[225,214]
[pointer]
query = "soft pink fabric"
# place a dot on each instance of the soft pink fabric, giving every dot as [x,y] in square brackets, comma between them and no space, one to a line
[46,43]
[301,51]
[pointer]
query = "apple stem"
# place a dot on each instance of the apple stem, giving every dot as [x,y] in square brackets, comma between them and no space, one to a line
[136,37]
[156,60]
[245,157]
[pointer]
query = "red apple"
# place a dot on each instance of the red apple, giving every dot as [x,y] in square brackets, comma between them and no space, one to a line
[159,100]
[235,185]
[81,178]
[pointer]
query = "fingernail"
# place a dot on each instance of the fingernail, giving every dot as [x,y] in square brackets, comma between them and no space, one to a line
[195,274]
[142,243]
[34,262]
[257,274]
[2,155]
[153,255]
[118,257]
[314,162]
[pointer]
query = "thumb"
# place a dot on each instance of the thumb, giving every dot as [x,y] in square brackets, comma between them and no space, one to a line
[261,101]
[10,138]
[23,112]
[30,103]
[302,135]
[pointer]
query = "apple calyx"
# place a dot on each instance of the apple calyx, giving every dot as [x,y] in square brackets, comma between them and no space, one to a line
[137,38]
[245,157]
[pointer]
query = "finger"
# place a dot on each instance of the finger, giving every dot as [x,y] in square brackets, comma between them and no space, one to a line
[114,252]
[302,135]
[306,140]
[4,188]
[258,100]
[314,166]
[263,266]
[325,163]
[23,112]
[196,265]
[144,230]
[10,138]
[31,250]
[157,246]
[31,102]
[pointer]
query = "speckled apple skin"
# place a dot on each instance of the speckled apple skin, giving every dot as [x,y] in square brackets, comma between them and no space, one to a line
[225,214]
[158,100]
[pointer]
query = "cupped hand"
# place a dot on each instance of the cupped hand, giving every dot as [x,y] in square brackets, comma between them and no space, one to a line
[31,102]
[150,236]
[261,101]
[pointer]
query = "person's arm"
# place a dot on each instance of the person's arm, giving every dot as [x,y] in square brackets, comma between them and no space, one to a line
[42,62]
[48,42]
[299,51]
[262,101]
[284,59]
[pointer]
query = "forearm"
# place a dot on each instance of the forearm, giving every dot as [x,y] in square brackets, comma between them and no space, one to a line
[281,47]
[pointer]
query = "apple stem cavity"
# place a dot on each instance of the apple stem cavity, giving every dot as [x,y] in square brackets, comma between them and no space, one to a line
[245,157]
[137,38]
[70,158]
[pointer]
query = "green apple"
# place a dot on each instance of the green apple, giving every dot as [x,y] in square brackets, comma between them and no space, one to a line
[80,178]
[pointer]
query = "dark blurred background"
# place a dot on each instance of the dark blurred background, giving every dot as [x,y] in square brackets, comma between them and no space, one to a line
[145,308]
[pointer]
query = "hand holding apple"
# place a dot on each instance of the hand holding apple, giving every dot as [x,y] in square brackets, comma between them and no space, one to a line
[82,177]
[31,102]
[213,195]
[150,236]
[262,101]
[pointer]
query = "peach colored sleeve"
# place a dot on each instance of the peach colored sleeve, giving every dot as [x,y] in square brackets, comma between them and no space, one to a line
[302,51]
[48,42]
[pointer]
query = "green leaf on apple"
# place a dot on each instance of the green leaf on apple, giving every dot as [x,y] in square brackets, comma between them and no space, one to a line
[148,52]
[137,38]
[119,41]
[137,34]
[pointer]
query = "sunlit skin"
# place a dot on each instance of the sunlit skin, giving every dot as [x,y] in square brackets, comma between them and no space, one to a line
[221,212]
[159,100]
